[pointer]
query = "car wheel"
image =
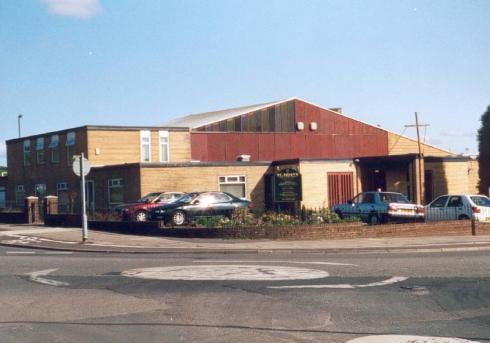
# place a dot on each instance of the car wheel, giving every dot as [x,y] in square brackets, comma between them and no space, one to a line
[179,218]
[373,219]
[141,216]
[340,214]
[463,217]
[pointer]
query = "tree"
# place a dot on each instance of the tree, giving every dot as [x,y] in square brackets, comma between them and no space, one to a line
[484,152]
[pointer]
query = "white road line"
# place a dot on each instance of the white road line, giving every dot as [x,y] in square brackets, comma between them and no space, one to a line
[289,262]
[408,339]
[389,281]
[35,276]
[58,253]
[21,252]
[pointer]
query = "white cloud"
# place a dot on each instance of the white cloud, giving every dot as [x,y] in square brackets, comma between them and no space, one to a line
[458,133]
[74,8]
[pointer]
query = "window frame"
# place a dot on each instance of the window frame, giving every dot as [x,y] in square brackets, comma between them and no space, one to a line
[54,147]
[114,183]
[40,154]
[145,134]
[20,188]
[70,143]
[161,135]
[26,150]
[233,180]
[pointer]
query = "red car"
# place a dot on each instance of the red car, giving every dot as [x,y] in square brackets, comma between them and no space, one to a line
[138,211]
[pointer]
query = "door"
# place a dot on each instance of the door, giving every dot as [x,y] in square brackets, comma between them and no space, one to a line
[339,188]
[436,209]
[90,194]
[429,187]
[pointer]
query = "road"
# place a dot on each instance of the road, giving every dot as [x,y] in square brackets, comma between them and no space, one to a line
[49,296]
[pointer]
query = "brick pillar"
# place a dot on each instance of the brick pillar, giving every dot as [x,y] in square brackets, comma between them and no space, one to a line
[50,205]
[32,210]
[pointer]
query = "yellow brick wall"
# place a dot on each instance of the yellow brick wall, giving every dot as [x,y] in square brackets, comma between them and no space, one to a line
[452,177]
[203,178]
[399,145]
[314,180]
[117,147]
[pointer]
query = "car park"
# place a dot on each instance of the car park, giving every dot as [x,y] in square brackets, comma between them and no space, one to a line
[458,207]
[196,204]
[138,211]
[380,207]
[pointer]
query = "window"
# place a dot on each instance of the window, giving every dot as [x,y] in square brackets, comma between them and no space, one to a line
[62,194]
[234,185]
[40,190]
[70,147]
[164,149]
[27,153]
[440,202]
[40,150]
[455,201]
[55,152]
[116,187]
[145,137]
[19,195]
[2,197]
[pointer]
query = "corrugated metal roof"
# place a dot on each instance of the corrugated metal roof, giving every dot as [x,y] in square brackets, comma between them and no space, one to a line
[201,119]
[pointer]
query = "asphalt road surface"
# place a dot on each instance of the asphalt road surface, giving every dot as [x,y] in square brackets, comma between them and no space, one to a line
[49,296]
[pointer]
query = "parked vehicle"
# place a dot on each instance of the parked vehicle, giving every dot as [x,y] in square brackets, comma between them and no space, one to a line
[459,206]
[197,204]
[138,211]
[380,207]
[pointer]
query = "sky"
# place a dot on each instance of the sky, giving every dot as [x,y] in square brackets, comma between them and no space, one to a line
[67,63]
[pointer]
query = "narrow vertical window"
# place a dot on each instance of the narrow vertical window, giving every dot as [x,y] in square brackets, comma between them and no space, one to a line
[116,192]
[40,150]
[63,199]
[70,147]
[19,195]
[145,142]
[27,152]
[164,146]
[53,146]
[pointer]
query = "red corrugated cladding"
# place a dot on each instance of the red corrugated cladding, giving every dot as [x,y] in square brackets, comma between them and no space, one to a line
[336,136]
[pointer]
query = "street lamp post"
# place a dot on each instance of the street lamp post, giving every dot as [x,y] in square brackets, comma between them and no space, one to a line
[18,122]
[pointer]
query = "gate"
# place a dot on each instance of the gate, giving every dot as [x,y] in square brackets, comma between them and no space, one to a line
[339,187]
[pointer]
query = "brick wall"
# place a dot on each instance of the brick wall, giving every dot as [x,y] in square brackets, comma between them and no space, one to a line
[453,177]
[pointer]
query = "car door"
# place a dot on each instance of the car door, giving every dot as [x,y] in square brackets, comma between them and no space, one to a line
[436,209]
[367,205]
[223,205]
[352,208]
[454,208]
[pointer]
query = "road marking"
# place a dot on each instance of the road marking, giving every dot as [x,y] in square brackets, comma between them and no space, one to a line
[408,339]
[21,252]
[35,276]
[226,272]
[389,281]
[289,262]
[58,253]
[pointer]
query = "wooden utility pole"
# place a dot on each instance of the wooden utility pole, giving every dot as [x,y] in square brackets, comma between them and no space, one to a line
[420,155]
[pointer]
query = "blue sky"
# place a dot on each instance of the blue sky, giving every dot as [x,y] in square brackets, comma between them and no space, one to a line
[65,63]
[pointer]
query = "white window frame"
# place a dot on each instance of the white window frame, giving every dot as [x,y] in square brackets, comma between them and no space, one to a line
[163,135]
[114,183]
[40,150]
[233,180]
[26,148]
[70,142]
[62,187]
[145,134]
[54,147]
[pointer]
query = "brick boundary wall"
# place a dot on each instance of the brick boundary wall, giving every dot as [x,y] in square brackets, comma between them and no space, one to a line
[293,232]
[13,217]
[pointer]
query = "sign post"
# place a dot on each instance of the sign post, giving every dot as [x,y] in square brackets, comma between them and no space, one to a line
[81,167]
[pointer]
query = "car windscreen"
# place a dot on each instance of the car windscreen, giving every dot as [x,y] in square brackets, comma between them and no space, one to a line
[481,201]
[393,197]
[149,197]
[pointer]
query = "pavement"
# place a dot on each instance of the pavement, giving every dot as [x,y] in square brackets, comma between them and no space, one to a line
[70,239]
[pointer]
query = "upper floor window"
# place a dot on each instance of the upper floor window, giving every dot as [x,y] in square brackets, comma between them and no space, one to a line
[40,150]
[53,145]
[164,147]
[233,184]
[145,142]
[70,147]
[27,152]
